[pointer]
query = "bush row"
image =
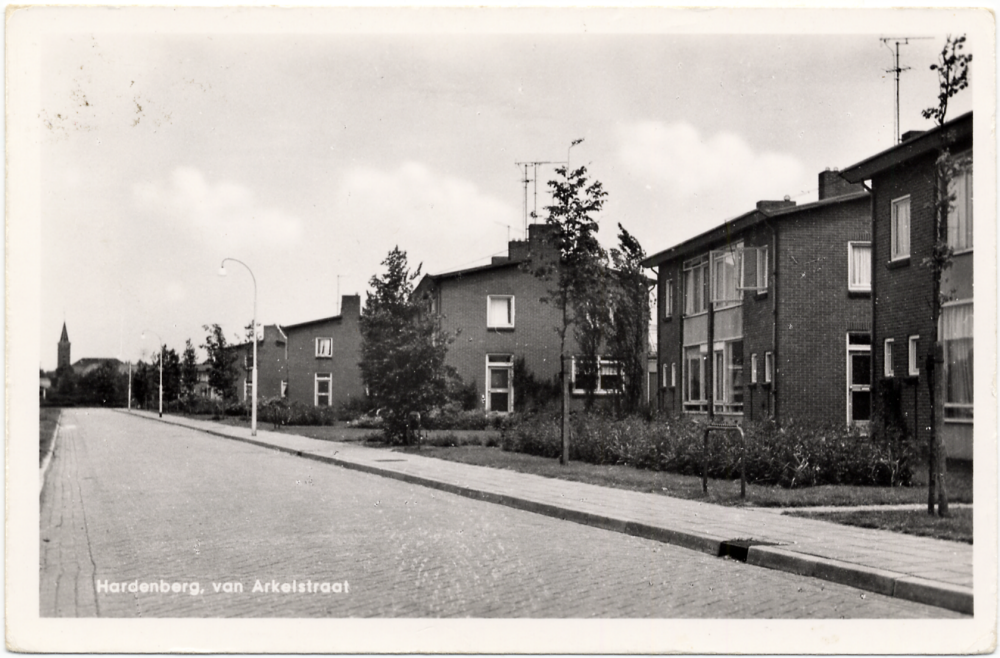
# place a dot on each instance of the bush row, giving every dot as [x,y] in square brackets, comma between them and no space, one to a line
[793,455]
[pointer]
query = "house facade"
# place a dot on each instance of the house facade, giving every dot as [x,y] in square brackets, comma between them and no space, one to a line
[497,316]
[908,220]
[769,315]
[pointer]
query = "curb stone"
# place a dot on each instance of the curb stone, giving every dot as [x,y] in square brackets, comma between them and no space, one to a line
[880,581]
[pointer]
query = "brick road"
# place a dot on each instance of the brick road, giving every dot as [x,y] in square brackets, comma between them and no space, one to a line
[128,500]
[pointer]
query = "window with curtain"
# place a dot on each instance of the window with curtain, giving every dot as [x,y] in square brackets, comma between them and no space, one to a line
[695,280]
[957,338]
[900,228]
[859,266]
[500,311]
[960,212]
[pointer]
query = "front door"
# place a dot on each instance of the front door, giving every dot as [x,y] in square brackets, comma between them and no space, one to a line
[499,381]
[859,387]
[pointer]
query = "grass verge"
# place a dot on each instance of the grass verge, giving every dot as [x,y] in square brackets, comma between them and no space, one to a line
[957,527]
[48,418]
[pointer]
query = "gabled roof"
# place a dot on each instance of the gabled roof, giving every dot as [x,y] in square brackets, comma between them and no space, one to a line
[740,223]
[472,270]
[948,133]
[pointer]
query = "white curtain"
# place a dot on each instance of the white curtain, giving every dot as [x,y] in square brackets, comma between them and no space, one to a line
[957,335]
[861,266]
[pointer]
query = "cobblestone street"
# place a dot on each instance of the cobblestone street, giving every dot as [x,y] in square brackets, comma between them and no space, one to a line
[128,500]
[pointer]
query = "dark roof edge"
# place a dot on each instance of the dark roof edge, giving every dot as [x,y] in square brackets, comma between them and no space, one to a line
[947,133]
[308,322]
[470,270]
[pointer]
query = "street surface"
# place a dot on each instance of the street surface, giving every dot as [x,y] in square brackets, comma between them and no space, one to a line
[131,504]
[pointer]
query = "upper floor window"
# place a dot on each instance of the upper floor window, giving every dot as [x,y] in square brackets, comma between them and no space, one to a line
[695,285]
[324,347]
[725,276]
[859,266]
[900,229]
[960,211]
[500,312]
[753,265]
[887,358]
[668,299]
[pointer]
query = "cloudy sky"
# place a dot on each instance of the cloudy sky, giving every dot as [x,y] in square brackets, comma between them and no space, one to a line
[308,146]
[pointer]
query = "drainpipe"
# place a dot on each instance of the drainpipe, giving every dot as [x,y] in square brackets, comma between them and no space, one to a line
[773,393]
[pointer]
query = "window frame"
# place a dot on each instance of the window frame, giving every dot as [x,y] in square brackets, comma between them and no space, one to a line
[320,340]
[753,368]
[323,376]
[490,323]
[689,268]
[499,362]
[966,199]
[913,364]
[894,206]
[768,367]
[689,404]
[953,409]
[851,285]
[888,369]
[727,398]
[600,390]
[668,299]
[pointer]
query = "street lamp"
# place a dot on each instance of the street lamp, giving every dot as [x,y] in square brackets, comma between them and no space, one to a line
[161,368]
[253,385]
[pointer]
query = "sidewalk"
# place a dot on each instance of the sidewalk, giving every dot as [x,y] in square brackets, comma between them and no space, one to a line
[920,569]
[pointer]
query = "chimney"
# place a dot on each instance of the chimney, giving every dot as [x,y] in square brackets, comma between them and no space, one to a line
[832,184]
[500,260]
[768,206]
[350,305]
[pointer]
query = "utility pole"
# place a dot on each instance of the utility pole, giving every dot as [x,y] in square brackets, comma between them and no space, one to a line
[897,69]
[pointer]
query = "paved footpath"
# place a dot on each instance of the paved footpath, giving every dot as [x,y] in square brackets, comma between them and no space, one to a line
[920,569]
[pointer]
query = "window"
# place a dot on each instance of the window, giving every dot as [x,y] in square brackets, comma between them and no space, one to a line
[768,367]
[500,312]
[753,368]
[695,393]
[500,383]
[859,266]
[960,212]
[695,284]
[859,379]
[605,377]
[284,388]
[914,364]
[321,397]
[728,376]
[957,337]
[754,273]
[668,299]
[673,375]
[887,358]
[900,228]
[725,276]
[324,348]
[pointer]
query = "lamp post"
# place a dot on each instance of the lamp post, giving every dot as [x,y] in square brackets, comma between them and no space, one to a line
[253,385]
[161,367]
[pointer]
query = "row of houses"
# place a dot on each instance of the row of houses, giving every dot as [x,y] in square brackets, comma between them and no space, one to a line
[821,312]
[824,312]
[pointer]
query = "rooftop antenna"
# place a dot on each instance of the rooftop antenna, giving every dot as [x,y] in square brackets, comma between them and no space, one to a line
[533,179]
[897,69]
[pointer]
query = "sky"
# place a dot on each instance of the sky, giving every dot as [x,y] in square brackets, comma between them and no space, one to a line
[308,153]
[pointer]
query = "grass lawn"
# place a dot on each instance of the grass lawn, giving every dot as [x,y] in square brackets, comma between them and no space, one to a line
[957,527]
[47,419]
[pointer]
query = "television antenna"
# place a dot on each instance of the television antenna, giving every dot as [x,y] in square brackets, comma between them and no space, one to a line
[897,69]
[533,179]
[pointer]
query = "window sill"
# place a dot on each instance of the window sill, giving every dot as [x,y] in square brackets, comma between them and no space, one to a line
[320,356]
[500,329]
[859,293]
[959,421]
[761,295]
[668,318]
[695,315]
[959,252]
[899,262]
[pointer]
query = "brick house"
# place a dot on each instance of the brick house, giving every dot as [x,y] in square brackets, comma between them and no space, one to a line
[770,313]
[905,193]
[314,363]
[496,313]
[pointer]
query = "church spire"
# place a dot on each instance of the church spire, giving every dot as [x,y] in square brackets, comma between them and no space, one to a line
[64,345]
[65,337]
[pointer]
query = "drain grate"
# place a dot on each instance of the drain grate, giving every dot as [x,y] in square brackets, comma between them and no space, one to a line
[738,549]
[390,460]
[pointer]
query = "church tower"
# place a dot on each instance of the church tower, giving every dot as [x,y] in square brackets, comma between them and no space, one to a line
[63,349]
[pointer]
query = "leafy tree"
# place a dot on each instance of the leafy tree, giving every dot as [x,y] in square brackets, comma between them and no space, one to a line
[142,384]
[104,386]
[189,369]
[953,76]
[402,350]
[628,338]
[221,360]
[171,375]
[576,273]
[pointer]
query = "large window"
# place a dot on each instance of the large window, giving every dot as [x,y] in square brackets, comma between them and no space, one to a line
[604,376]
[728,376]
[957,336]
[725,277]
[500,380]
[900,229]
[960,212]
[859,266]
[324,347]
[500,312]
[321,397]
[695,285]
[695,392]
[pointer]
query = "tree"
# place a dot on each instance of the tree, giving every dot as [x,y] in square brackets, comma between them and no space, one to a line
[171,375]
[577,273]
[104,386]
[189,369]
[953,76]
[628,337]
[402,350]
[141,383]
[221,374]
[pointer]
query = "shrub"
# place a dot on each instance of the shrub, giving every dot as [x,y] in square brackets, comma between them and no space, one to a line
[353,409]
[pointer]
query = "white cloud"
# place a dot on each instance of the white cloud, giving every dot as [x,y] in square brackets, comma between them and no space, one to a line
[718,172]
[442,220]
[220,212]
